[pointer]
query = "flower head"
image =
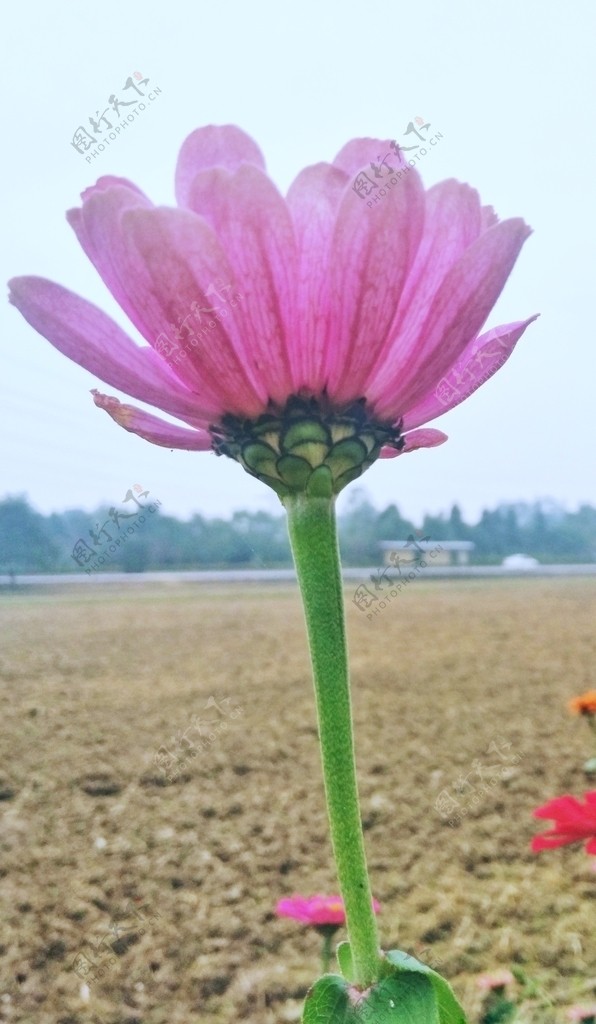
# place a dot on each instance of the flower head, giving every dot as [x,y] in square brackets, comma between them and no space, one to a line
[316,910]
[495,980]
[303,336]
[585,704]
[573,820]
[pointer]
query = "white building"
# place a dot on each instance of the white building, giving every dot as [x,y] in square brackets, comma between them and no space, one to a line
[446,552]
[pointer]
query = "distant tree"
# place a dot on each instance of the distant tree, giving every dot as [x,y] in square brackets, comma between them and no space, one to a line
[171,544]
[225,546]
[357,534]
[487,536]
[585,523]
[30,542]
[64,529]
[458,529]
[390,525]
[512,532]
[435,527]
[135,556]
[266,537]
[25,543]
[538,533]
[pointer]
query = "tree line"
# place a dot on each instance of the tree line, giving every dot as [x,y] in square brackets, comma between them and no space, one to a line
[140,537]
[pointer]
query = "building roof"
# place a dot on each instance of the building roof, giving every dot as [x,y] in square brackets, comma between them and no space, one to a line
[425,545]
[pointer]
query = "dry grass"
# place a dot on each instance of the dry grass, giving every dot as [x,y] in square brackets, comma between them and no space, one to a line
[94,684]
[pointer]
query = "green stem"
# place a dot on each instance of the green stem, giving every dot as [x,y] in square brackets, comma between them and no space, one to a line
[313,536]
[326,952]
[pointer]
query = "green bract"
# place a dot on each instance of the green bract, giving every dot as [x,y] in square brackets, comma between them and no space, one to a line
[308,446]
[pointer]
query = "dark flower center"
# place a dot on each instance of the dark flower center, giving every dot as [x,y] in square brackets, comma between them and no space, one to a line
[307,446]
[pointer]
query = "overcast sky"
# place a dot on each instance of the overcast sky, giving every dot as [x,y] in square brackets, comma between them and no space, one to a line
[511,88]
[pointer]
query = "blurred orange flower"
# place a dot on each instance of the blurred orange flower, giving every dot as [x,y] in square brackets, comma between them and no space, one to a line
[585,704]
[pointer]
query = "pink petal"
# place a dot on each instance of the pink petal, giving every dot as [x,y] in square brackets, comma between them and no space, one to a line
[296,907]
[452,223]
[489,217]
[151,428]
[108,181]
[90,338]
[181,266]
[372,254]
[415,439]
[254,228]
[428,346]
[98,228]
[357,155]
[313,199]
[477,363]
[159,281]
[213,146]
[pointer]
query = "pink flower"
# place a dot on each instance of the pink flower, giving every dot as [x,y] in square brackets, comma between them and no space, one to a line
[574,822]
[496,979]
[316,910]
[317,330]
[585,1013]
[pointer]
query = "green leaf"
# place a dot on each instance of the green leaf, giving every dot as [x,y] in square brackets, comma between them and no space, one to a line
[501,1013]
[327,1002]
[344,959]
[405,998]
[450,1012]
[410,993]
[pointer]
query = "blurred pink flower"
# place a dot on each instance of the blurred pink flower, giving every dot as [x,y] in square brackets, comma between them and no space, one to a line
[261,310]
[495,979]
[316,910]
[573,822]
[585,1013]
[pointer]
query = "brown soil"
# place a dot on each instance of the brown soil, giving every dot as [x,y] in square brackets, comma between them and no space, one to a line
[181,877]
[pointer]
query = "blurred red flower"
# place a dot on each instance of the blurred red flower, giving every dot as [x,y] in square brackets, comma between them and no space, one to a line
[574,821]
